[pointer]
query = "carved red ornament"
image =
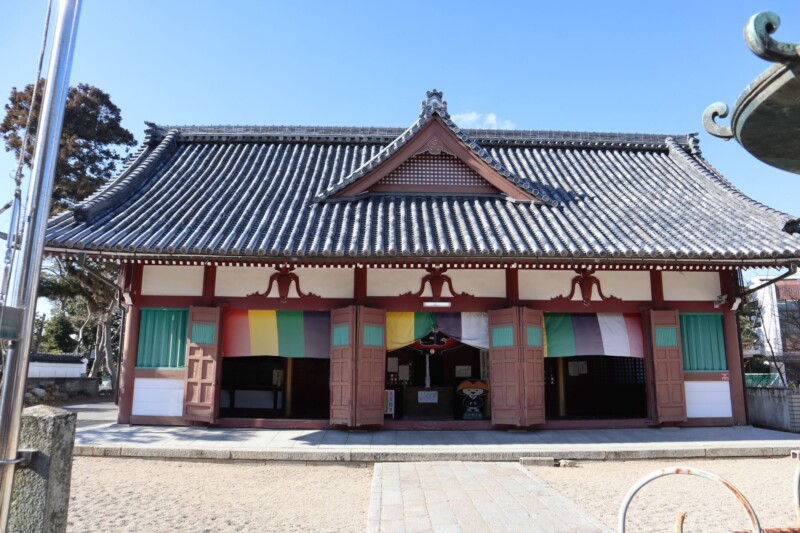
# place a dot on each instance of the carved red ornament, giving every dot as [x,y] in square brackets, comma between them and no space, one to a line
[284,278]
[437,279]
[586,281]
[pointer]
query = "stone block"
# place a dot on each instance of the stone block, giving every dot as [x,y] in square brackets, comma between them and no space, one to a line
[537,461]
[40,499]
[567,463]
[759,451]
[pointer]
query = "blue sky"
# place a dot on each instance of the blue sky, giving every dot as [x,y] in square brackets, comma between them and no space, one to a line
[632,66]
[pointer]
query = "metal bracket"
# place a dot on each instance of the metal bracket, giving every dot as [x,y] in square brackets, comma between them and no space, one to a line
[24,459]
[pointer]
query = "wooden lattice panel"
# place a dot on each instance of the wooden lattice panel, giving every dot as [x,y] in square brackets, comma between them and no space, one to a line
[427,173]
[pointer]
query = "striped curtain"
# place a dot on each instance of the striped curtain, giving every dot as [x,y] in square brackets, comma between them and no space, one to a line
[469,328]
[570,335]
[276,333]
[403,328]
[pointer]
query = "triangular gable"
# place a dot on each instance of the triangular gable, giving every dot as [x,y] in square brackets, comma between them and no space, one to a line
[433,156]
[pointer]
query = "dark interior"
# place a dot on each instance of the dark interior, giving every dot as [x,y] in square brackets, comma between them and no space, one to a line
[610,388]
[255,387]
[443,379]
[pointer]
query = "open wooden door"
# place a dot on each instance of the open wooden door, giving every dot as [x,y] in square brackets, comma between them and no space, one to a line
[370,366]
[533,366]
[505,367]
[343,366]
[203,366]
[668,366]
[358,366]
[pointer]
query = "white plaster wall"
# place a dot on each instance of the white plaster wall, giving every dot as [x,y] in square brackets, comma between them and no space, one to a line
[544,284]
[695,286]
[547,284]
[164,280]
[241,281]
[708,399]
[395,281]
[485,283]
[627,285]
[157,397]
[56,370]
[324,282]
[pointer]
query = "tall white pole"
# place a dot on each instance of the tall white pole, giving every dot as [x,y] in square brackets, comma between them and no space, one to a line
[40,191]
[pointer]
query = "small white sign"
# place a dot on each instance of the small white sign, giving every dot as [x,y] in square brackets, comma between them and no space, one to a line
[403,373]
[576,368]
[484,355]
[391,364]
[428,396]
[463,371]
[388,402]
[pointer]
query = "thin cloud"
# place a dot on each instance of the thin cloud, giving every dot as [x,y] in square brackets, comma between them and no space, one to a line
[489,121]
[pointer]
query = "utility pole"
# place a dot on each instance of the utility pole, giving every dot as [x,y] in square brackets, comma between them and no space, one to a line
[15,372]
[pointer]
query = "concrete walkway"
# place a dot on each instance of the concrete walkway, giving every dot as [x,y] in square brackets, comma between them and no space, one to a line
[98,435]
[470,497]
[389,446]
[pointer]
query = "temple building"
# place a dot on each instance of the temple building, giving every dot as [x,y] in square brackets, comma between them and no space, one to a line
[427,277]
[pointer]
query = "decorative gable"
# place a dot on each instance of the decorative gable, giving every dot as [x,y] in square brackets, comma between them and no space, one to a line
[434,155]
[434,171]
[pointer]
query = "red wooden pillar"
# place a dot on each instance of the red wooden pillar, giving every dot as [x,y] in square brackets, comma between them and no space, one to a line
[360,285]
[657,289]
[130,345]
[512,287]
[209,284]
[733,353]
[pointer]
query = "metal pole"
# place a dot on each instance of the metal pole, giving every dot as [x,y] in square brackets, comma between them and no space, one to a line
[41,188]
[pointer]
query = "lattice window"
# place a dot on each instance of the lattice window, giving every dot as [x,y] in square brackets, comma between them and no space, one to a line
[434,170]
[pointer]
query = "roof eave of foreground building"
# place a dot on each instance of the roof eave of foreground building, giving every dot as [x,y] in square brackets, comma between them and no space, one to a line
[419,261]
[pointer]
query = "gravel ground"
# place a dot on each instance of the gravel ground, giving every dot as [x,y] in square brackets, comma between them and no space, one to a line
[124,495]
[599,487]
[140,495]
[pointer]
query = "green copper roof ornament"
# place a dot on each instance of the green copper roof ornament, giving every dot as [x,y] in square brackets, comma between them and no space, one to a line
[765,119]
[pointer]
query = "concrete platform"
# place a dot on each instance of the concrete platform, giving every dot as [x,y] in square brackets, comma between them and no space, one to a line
[395,446]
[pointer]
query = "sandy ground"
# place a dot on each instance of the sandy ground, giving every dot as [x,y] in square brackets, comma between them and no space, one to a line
[599,487]
[123,495]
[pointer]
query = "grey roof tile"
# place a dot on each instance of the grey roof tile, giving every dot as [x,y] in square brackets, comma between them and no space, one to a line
[248,192]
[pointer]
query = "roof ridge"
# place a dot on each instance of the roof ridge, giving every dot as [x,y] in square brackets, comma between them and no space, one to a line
[388,133]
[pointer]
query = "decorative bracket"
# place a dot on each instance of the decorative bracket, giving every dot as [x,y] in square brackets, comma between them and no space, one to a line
[717,109]
[586,280]
[284,278]
[437,279]
[757,36]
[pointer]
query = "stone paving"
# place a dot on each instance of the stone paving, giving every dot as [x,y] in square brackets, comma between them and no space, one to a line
[98,435]
[386,445]
[464,497]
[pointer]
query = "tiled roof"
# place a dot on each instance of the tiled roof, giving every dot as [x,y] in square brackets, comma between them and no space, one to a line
[264,192]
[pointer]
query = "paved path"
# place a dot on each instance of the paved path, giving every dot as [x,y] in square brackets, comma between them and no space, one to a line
[468,496]
[93,413]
